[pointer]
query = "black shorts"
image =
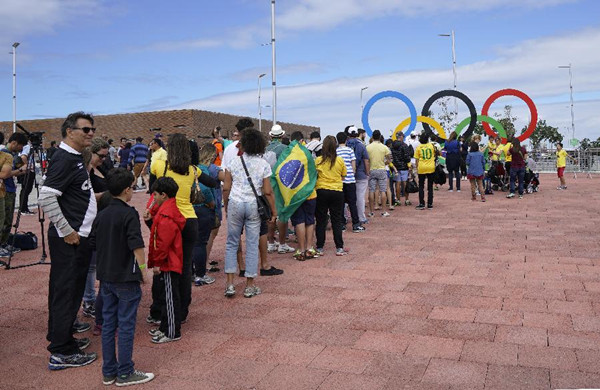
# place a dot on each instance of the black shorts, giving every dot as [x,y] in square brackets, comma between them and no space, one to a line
[305,213]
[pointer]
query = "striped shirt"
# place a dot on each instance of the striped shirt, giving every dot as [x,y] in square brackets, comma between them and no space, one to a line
[348,156]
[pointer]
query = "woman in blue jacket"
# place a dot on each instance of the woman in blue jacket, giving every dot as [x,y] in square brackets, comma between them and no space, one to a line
[452,148]
[476,170]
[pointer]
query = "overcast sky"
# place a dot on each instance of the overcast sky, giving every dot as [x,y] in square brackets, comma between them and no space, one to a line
[114,56]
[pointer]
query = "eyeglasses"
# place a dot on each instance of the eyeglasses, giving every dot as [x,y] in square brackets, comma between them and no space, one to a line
[84,129]
[236,134]
[102,156]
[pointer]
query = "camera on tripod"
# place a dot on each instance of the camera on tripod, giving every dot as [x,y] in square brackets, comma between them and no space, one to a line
[35,137]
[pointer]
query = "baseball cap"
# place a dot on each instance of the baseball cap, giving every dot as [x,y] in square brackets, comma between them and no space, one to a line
[351,130]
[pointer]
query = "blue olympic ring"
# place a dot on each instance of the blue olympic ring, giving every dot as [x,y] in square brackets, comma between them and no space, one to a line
[392,94]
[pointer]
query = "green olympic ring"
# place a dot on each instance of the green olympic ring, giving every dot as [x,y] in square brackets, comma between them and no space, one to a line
[482,118]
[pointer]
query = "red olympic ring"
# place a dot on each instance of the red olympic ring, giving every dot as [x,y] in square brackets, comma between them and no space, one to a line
[522,96]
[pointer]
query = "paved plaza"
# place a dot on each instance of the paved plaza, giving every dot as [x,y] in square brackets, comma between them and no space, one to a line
[497,295]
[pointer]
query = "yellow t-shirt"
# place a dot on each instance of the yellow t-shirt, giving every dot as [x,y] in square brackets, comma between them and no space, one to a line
[425,155]
[377,152]
[160,154]
[5,159]
[508,156]
[184,182]
[561,158]
[328,177]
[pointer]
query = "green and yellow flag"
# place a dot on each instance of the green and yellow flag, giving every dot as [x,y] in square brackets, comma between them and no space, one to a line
[293,180]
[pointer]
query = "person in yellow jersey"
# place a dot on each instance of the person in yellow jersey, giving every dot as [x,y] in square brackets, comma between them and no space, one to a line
[331,169]
[561,163]
[379,156]
[508,157]
[425,155]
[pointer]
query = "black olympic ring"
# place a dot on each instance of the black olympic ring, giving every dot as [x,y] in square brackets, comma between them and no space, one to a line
[456,94]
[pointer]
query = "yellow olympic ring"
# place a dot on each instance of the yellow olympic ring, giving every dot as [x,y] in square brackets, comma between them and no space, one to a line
[422,119]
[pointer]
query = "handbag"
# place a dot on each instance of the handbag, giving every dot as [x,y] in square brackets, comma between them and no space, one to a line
[261,200]
[196,195]
[412,186]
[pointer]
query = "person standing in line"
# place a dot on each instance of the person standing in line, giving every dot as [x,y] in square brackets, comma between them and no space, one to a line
[362,172]
[178,166]
[50,151]
[425,156]
[349,181]
[124,154]
[6,163]
[453,161]
[26,180]
[157,153]
[379,156]
[475,171]
[68,200]
[330,195]
[117,238]
[277,147]
[561,163]
[401,157]
[241,206]
[517,167]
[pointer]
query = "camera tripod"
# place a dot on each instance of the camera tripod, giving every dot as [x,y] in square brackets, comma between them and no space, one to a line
[34,151]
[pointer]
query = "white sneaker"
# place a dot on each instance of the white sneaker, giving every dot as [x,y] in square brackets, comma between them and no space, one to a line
[285,248]
[272,247]
[457,190]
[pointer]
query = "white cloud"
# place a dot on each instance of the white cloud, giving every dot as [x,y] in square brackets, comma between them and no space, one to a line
[22,18]
[530,67]
[319,14]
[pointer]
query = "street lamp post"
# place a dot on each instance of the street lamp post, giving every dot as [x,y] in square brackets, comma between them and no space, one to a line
[451,35]
[273,63]
[14,53]
[260,76]
[362,107]
[570,67]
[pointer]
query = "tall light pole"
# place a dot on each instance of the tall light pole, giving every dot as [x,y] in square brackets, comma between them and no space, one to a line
[260,76]
[14,53]
[570,67]
[453,65]
[362,107]
[273,65]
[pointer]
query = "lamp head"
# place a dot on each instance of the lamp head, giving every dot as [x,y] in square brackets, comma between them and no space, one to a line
[15,44]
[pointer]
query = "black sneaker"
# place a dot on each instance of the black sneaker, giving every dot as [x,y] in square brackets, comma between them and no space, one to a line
[242,273]
[83,343]
[135,378]
[60,362]
[80,327]
[358,229]
[214,269]
[271,271]
[89,310]
[420,207]
[429,206]
[214,262]
[108,379]
[152,321]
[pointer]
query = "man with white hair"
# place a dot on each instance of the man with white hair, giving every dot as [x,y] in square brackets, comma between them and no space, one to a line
[277,147]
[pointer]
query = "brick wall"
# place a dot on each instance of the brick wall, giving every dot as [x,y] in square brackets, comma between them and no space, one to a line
[191,122]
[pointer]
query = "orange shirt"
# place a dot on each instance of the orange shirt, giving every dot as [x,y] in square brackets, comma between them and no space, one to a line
[219,145]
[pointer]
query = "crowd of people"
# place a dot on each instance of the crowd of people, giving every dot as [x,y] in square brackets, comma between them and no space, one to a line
[95,235]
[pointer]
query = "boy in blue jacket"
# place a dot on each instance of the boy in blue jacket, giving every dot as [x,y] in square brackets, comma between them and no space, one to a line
[476,170]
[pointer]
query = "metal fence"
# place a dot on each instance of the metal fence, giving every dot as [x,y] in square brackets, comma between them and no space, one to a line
[587,161]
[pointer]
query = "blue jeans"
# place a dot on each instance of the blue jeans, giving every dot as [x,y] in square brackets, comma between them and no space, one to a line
[89,295]
[240,215]
[121,301]
[514,172]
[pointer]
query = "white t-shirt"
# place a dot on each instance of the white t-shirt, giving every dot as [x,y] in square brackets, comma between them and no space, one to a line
[229,153]
[258,168]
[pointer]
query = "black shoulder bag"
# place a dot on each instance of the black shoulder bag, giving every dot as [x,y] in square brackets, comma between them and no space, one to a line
[261,200]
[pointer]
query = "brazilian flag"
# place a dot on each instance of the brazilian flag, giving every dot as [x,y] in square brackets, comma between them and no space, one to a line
[293,180]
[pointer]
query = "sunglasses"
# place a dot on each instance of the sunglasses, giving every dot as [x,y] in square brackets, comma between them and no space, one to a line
[84,129]
[102,156]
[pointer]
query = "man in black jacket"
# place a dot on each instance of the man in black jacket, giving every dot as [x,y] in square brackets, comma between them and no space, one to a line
[401,156]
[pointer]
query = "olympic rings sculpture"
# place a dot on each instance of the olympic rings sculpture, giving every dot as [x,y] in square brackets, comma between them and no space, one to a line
[468,122]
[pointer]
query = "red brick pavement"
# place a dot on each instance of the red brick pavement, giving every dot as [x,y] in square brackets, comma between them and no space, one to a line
[498,295]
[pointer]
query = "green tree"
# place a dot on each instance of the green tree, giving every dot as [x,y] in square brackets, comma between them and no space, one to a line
[596,143]
[585,144]
[447,116]
[507,120]
[544,132]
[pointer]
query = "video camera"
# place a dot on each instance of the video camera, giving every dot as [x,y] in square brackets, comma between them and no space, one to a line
[35,137]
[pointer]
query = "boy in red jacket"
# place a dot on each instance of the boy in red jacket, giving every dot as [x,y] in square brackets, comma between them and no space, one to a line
[165,253]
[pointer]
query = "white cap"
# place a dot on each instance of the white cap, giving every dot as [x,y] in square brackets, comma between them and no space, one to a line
[276,131]
[352,129]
